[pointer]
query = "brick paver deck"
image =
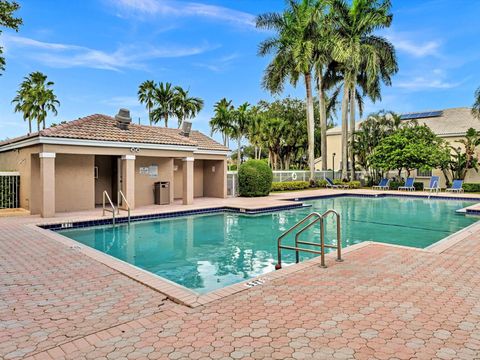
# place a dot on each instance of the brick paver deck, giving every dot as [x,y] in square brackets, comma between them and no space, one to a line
[383,302]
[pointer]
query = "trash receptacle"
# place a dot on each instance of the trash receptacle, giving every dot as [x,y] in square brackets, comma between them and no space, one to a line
[162,193]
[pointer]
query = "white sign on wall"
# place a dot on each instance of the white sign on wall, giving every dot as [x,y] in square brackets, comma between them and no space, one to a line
[153,171]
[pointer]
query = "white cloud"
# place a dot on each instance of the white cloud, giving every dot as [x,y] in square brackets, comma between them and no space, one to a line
[219,65]
[423,83]
[175,8]
[68,56]
[403,42]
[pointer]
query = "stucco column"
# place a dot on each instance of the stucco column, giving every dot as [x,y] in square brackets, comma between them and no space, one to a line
[128,179]
[224,170]
[47,184]
[188,183]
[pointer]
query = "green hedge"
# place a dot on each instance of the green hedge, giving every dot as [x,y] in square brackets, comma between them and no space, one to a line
[394,185]
[254,178]
[290,185]
[471,187]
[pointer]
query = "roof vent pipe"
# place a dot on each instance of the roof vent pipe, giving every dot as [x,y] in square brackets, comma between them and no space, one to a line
[123,119]
[186,128]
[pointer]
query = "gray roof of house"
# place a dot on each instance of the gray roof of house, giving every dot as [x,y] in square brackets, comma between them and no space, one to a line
[455,121]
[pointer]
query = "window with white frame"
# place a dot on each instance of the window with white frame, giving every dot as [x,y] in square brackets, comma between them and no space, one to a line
[424,173]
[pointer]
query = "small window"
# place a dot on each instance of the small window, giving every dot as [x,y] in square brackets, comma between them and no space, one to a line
[424,173]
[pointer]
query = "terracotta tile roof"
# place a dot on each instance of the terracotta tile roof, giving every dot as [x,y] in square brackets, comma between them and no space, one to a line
[451,122]
[103,128]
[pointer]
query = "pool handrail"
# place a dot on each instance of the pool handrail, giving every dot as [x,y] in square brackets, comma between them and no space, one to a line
[319,218]
[112,210]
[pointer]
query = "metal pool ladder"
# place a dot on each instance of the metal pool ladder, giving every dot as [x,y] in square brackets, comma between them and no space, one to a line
[112,207]
[318,218]
[123,200]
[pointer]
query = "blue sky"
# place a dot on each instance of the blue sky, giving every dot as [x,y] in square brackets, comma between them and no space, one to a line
[98,51]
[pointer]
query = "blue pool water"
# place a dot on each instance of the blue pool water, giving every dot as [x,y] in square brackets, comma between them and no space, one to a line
[207,252]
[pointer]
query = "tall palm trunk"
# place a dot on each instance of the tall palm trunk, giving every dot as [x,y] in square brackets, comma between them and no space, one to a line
[323,119]
[150,115]
[345,130]
[29,126]
[310,126]
[352,131]
[239,159]
[166,121]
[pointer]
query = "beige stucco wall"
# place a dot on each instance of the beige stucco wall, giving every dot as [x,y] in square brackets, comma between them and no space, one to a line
[334,145]
[74,182]
[215,182]
[198,178]
[178,179]
[34,179]
[144,183]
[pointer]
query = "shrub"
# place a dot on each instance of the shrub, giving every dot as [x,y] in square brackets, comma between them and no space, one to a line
[354,184]
[322,183]
[290,185]
[254,178]
[471,187]
[394,185]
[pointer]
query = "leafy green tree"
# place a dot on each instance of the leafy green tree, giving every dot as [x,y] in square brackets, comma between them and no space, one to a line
[164,103]
[35,98]
[371,131]
[146,95]
[186,106]
[222,119]
[358,50]
[457,161]
[476,104]
[410,147]
[293,48]
[8,20]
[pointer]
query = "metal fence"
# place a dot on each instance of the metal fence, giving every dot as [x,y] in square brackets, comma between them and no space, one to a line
[290,175]
[9,190]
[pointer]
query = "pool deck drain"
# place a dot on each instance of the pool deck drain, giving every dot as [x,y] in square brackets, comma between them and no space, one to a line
[383,302]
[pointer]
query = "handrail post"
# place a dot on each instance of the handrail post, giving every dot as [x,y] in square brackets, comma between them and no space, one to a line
[339,240]
[322,243]
[297,255]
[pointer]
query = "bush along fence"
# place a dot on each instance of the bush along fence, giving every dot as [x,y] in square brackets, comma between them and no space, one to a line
[294,177]
[9,190]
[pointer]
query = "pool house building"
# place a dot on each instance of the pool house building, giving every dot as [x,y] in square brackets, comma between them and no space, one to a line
[71,166]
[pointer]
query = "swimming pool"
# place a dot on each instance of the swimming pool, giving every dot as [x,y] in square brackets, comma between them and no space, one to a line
[210,251]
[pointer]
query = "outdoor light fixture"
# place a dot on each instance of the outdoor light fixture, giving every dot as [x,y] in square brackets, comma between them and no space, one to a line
[134,149]
[333,165]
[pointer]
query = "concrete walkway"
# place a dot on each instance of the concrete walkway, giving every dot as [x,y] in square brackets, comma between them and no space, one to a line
[383,302]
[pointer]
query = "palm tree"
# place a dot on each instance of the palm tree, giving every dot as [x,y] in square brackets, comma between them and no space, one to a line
[293,47]
[222,119]
[164,102]
[35,99]
[186,107]
[357,49]
[146,95]
[23,103]
[241,123]
[476,105]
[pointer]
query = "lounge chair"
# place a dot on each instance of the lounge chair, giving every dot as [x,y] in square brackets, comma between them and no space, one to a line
[408,185]
[332,185]
[384,184]
[433,186]
[456,186]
